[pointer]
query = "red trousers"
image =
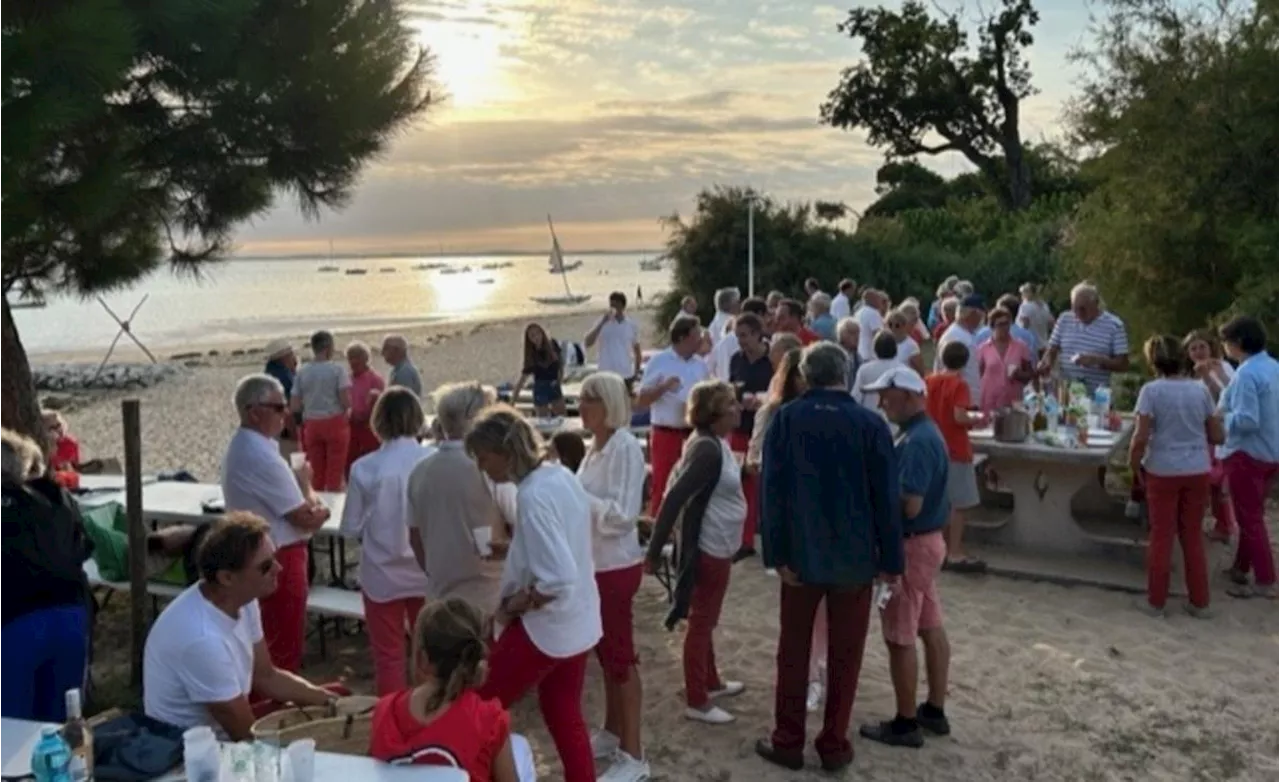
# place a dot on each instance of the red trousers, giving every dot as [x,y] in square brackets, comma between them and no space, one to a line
[1249,480]
[738,442]
[848,615]
[284,611]
[325,441]
[1175,507]
[710,582]
[363,441]
[516,666]
[1220,501]
[665,447]
[388,625]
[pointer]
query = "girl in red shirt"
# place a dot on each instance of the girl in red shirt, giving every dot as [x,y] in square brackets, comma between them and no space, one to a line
[442,721]
[64,461]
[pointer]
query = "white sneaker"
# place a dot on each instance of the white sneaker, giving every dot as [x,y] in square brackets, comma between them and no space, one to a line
[626,769]
[712,715]
[727,690]
[813,701]
[603,744]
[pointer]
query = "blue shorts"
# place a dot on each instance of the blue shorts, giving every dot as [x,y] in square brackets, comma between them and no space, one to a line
[546,393]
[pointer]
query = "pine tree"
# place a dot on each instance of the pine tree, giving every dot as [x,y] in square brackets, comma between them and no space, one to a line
[138,133]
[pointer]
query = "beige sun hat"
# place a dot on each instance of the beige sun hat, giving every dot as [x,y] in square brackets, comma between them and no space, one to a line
[277,348]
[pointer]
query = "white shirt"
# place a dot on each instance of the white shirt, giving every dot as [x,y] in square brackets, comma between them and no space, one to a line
[906,349]
[972,377]
[616,346]
[551,552]
[377,514]
[504,494]
[613,478]
[668,409]
[256,478]
[721,534]
[196,655]
[867,374]
[869,324]
[840,306]
[717,327]
[1035,316]
[719,357]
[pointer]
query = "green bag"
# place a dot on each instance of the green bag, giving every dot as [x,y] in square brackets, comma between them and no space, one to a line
[105,525]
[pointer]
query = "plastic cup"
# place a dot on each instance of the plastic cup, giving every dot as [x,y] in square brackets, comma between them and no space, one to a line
[302,759]
[483,537]
[297,460]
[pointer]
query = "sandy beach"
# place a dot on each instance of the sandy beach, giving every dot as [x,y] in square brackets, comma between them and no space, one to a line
[1047,683]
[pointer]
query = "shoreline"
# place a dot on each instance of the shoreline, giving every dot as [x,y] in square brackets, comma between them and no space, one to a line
[429,330]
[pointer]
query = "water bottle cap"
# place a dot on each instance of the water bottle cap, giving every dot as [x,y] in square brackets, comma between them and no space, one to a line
[49,730]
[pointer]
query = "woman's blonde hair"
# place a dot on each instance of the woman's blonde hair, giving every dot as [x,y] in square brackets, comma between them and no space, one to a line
[1164,355]
[397,413]
[449,634]
[784,343]
[708,401]
[610,390]
[501,429]
[23,459]
[1207,337]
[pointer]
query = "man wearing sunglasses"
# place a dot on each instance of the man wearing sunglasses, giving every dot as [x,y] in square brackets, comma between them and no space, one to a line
[206,652]
[257,479]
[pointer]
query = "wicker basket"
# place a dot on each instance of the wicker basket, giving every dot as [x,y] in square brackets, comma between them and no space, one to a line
[345,728]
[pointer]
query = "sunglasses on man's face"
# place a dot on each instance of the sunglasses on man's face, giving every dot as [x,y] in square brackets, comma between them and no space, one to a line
[278,407]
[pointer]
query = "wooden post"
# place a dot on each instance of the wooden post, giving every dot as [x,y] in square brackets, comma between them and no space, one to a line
[132,414]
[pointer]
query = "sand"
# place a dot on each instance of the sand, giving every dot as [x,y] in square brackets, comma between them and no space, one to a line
[1047,682]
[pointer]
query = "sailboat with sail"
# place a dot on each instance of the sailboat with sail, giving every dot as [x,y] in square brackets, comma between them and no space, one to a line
[558,265]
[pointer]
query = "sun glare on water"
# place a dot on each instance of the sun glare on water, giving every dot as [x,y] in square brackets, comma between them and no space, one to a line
[467,44]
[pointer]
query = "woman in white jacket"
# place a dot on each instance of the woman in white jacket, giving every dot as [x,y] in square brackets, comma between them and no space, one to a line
[613,475]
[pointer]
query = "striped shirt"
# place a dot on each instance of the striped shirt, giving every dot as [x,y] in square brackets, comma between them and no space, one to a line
[1105,336]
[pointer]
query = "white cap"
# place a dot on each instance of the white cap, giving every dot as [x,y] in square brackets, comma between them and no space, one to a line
[902,377]
[278,347]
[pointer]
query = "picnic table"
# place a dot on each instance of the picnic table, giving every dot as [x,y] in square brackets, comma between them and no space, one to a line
[19,738]
[1060,506]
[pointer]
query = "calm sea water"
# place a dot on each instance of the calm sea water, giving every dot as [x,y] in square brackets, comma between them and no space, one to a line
[250,300]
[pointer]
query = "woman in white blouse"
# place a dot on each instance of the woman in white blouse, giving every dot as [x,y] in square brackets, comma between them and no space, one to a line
[613,475]
[549,611]
[377,514]
[899,325]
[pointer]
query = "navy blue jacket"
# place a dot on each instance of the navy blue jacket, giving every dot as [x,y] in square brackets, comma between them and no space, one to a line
[829,493]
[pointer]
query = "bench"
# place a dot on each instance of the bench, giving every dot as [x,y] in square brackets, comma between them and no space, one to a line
[326,602]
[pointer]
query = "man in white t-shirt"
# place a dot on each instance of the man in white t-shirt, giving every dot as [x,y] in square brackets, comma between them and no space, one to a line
[968,321]
[619,340]
[728,304]
[723,352]
[870,321]
[257,479]
[205,653]
[664,389]
[842,304]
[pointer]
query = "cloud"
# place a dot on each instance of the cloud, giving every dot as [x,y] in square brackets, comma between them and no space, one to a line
[611,113]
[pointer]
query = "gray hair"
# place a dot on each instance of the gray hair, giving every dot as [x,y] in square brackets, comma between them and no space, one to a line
[726,298]
[255,390]
[963,288]
[825,365]
[910,310]
[22,458]
[395,340]
[820,302]
[949,307]
[458,404]
[611,391]
[848,325]
[358,348]
[1086,291]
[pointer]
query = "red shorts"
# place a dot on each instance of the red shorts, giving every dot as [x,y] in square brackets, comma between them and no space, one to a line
[617,649]
[915,605]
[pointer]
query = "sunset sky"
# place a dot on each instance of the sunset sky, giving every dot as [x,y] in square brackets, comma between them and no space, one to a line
[611,113]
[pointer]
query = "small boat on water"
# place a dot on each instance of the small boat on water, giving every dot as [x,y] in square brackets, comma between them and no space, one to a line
[558,265]
[485,281]
[387,270]
[651,264]
[497,265]
[433,265]
[357,270]
[327,269]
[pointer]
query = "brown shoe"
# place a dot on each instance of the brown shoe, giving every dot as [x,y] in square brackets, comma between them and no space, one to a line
[790,759]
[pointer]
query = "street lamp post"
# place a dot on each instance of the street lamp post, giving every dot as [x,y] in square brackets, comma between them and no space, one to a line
[751,245]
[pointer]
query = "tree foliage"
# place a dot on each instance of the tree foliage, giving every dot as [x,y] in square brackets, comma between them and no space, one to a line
[920,78]
[1181,109]
[138,133]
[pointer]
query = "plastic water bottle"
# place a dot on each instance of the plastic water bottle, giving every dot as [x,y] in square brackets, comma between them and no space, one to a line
[51,759]
[1102,401]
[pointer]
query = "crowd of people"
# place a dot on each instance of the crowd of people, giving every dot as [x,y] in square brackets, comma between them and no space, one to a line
[495,563]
